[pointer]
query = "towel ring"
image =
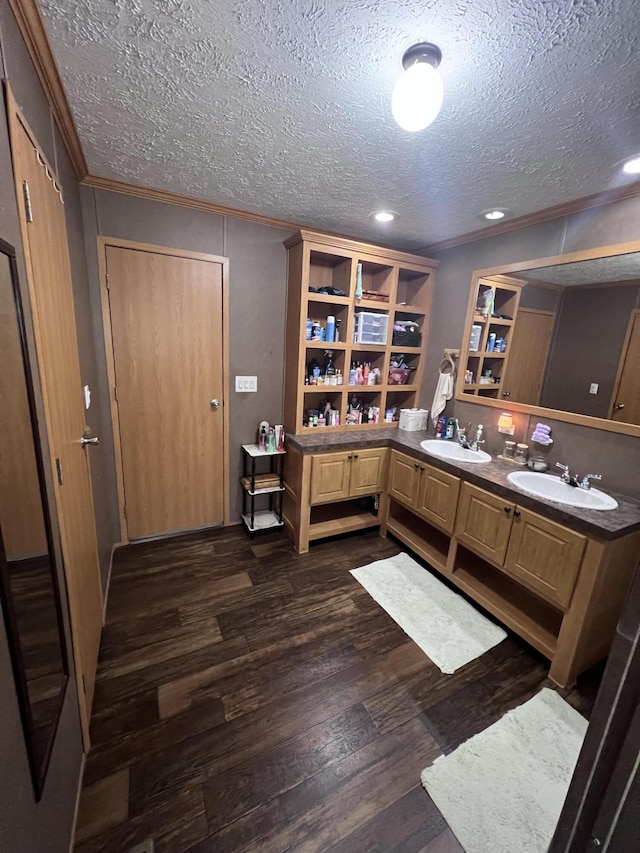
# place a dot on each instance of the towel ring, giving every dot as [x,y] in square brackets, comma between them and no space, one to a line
[447,361]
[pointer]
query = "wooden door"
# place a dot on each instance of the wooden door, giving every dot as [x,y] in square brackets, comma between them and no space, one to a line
[51,296]
[527,356]
[626,399]
[404,478]
[368,470]
[544,556]
[330,477]
[166,332]
[438,497]
[484,523]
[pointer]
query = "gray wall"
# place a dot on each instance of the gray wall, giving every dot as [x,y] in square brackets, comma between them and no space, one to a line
[257,300]
[586,347]
[617,457]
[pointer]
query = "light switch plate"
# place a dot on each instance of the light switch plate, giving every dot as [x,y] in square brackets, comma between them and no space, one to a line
[593,388]
[246,383]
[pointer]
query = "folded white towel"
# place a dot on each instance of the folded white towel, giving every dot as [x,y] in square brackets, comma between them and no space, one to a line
[444,392]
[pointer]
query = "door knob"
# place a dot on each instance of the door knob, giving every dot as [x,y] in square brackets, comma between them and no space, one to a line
[93,441]
[619,405]
[215,404]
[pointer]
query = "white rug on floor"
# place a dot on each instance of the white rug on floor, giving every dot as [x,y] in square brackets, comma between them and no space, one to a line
[446,627]
[502,791]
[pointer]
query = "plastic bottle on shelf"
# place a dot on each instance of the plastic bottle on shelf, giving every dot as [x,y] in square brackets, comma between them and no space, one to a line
[331,328]
[309,328]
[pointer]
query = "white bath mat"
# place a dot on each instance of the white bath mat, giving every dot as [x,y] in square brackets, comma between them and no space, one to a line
[445,626]
[502,791]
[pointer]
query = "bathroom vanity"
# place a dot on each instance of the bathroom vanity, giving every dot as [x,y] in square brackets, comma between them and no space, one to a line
[556,575]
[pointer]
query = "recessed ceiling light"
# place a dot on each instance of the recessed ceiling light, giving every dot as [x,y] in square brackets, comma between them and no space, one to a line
[384,215]
[632,166]
[494,213]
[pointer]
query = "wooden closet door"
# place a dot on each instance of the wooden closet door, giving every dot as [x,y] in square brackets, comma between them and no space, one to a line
[527,356]
[166,330]
[51,296]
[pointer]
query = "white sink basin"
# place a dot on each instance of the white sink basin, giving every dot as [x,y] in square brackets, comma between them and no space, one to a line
[553,489]
[444,449]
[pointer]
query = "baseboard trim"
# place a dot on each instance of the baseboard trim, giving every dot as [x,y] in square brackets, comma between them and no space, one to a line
[77,805]
[108,584]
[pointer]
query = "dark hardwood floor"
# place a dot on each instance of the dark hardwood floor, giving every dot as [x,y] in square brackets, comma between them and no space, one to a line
[253,699]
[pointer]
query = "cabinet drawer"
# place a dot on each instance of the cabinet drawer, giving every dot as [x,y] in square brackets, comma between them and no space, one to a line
[438,497]
[544,556]
[484,523]
[330,477]
[368,471]
[404,478]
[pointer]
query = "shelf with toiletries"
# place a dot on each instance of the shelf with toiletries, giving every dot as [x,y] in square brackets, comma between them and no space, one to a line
[262,484]
[492,314]
[394,286]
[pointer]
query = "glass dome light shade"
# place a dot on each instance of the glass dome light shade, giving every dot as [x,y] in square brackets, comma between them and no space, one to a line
[417,97]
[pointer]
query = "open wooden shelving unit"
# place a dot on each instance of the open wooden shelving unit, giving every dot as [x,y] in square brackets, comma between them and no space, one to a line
[406,281]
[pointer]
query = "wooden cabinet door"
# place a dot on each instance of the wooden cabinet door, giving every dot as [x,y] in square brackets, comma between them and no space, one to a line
[438,497]
[404,478]
[368,471]
[484,523]
[330,474]
[544,556]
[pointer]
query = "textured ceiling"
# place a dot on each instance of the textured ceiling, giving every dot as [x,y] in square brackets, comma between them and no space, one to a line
[596,271]
[283,108]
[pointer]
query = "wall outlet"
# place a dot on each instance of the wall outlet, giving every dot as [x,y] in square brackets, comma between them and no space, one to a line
[246,383]
[593,388]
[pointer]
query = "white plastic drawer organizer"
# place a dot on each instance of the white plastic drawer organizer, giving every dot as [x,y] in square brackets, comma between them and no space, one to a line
[370,328]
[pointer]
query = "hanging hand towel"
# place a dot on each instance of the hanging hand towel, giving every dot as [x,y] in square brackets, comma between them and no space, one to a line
[444,392]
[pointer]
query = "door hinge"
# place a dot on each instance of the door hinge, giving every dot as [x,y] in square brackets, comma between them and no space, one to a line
[124,511]
[115,393]
[84,684]
[60,472]
[107,280]
[27,201]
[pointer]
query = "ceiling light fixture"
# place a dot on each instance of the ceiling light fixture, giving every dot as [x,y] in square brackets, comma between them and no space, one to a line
[418,93]
[494,213]
[632,166]
[384,215]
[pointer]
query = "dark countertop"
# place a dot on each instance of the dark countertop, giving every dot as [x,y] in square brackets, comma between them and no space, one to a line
[492,476]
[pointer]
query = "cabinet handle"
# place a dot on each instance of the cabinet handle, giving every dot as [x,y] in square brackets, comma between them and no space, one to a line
[422,467]
[516,513]
[355,455]
[415,465]
[350,456]
[507,509]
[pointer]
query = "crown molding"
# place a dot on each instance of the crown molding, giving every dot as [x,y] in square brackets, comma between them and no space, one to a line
[558,211]
[125,188]
[33,32]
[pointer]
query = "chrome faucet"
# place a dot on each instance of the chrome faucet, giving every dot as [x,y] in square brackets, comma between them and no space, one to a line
[585,481]
[463,441]
[461,435]
[574,480]
[478,438]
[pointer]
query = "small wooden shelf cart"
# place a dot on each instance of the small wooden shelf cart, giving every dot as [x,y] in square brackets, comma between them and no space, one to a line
[256,484]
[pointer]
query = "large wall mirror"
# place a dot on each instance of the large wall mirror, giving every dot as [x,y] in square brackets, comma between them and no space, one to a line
[558,337]
[28,586]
